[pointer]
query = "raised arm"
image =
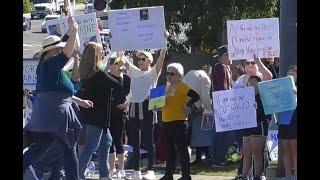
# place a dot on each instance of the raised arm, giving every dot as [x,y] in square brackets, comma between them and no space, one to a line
[126,63]
[75,68]
[161,57]
[266,74]
[72,31]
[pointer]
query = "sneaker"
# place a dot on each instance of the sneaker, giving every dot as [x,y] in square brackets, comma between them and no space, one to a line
[119,174]
[36,173]
[149,176]
[112,171]
[136,175]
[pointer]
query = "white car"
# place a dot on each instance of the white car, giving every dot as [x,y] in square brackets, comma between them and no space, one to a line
[48,17]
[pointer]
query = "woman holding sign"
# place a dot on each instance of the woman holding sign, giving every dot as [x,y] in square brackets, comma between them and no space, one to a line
[253,67]
[53,118]
[288,135]
[179,98]
[141,120]
[254,139]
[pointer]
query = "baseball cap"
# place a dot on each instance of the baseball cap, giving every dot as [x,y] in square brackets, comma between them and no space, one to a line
[221,51]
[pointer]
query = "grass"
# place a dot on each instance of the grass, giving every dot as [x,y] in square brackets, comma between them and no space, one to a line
[205,169]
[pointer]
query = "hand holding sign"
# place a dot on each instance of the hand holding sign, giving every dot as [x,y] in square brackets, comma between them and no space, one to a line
[73,26]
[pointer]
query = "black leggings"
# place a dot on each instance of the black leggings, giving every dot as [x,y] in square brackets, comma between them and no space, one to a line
[117,131]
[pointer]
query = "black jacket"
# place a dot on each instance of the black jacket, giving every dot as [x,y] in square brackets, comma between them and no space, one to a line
[98,89]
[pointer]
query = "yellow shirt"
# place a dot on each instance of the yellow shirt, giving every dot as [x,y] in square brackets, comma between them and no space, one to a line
[176,101]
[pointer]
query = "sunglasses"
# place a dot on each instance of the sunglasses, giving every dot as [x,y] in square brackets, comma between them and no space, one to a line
[171,73]
[142,59]
[252,63]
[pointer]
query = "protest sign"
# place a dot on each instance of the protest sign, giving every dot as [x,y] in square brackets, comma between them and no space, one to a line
[277,95]
[272,144]
[253,36]
[29,74]
[234,109]
[157,97]
[87,28]
[207,122]
[137,28]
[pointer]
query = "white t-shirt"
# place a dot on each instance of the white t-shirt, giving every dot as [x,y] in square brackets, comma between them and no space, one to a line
[240,81]
[141,82]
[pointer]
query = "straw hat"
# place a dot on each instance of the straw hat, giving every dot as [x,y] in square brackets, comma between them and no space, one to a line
[51,42]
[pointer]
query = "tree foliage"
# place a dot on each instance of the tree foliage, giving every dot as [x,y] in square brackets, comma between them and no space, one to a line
[205,19]
[26,6]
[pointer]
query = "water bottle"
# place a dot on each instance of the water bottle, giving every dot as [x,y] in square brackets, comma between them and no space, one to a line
[91,168]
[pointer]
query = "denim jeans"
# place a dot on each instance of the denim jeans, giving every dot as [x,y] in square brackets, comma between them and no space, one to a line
[96,138]
[43,141]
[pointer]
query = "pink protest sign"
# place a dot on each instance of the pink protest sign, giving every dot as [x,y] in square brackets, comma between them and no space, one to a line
[253,36]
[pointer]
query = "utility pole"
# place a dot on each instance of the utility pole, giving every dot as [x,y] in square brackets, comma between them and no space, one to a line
[288,53]
[288,35]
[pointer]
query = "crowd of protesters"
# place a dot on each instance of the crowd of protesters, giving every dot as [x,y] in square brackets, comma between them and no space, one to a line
[74,115]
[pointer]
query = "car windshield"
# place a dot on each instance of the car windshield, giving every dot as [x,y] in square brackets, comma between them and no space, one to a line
[49,18]
[41,1]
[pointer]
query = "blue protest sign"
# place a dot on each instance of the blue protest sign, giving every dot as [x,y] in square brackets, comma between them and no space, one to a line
[277,95]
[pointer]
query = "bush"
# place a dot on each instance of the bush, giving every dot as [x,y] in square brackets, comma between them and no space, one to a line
[26,6]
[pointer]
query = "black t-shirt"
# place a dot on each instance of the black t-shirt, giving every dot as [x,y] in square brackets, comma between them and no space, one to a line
[119,94]
[260,111]
[98,90]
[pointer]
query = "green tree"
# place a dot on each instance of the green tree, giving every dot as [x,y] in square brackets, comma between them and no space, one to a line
[205,19]
[26,6]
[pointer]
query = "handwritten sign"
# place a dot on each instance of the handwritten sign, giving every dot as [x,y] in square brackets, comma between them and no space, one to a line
[234,109]
[87,28]
[277,95]
[207,122]
[253,36]
[137,28]
[29,74]
[157,97]
[272,144]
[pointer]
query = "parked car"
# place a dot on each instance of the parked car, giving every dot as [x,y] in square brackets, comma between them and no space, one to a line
[48,17]
[26,24]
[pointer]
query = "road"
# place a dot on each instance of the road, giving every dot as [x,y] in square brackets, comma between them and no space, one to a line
[32,39]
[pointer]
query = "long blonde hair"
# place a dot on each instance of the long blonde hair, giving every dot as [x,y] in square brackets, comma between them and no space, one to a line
[90,60]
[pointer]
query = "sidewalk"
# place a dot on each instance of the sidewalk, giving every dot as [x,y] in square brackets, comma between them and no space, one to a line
[28,176]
